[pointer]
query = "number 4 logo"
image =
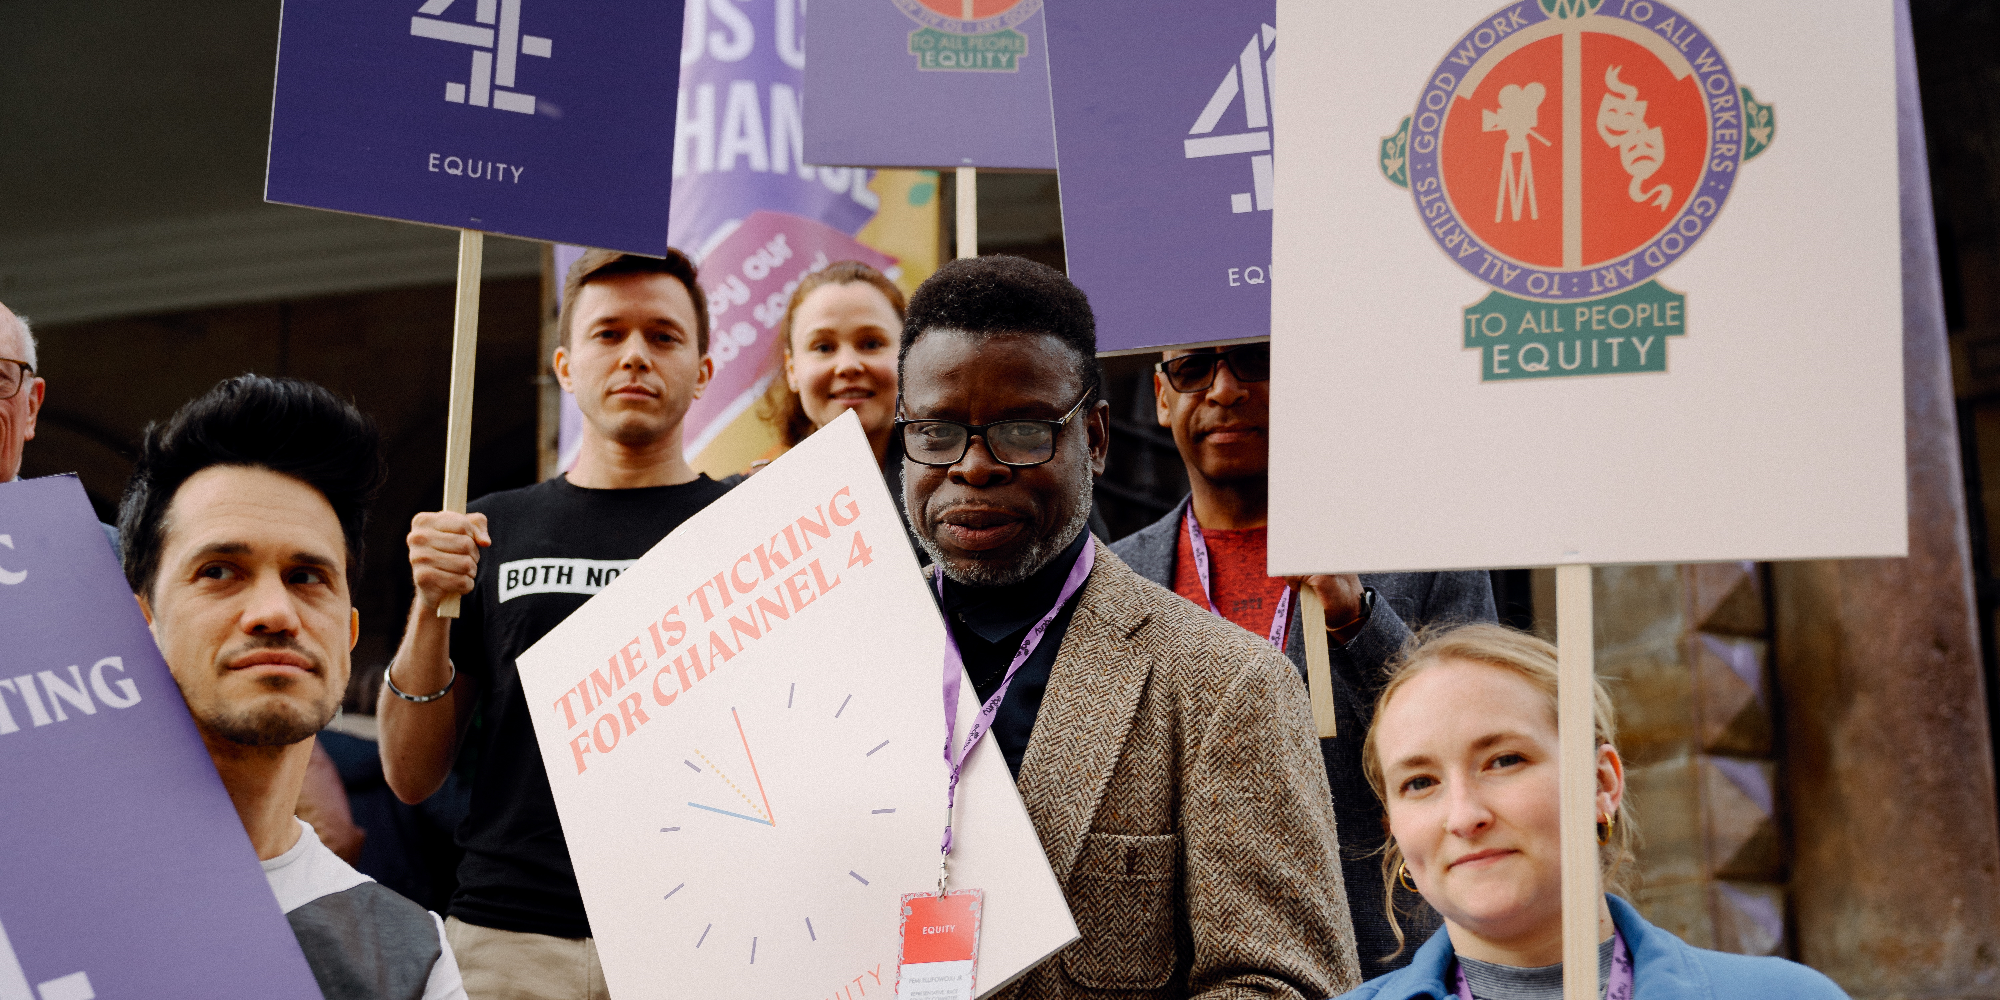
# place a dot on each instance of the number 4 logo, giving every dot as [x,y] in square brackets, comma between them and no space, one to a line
[1251,79]
[14,980]
[494,58]
[859,554]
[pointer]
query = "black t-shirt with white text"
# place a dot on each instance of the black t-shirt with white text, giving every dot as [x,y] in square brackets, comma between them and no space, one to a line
[554,545]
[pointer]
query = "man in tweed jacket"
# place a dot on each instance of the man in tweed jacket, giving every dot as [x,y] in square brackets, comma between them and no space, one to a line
[1217,403]
[1166,757]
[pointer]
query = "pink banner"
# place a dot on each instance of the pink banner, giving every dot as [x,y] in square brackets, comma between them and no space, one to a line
[749,278]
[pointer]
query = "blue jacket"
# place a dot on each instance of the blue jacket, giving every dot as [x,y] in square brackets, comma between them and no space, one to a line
[1664,968]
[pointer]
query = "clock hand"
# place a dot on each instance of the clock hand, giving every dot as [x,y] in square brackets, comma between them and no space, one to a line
[731,783]
[753,767]
[725,812]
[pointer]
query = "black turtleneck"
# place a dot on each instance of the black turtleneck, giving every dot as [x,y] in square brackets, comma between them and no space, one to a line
[989,624]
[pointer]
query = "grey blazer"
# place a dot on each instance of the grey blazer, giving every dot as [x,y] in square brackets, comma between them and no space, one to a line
[1403,601]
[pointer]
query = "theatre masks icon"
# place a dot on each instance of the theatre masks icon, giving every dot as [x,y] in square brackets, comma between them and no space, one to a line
[1621,123]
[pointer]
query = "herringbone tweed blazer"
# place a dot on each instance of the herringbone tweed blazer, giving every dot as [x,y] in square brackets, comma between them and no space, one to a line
[1177,786]
[1404,602]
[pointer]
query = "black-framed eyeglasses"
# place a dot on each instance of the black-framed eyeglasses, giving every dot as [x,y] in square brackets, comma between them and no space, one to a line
[13,375]
[1195,372]
[1017,443]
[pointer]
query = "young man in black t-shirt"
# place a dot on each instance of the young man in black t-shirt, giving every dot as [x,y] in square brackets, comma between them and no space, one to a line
[634,353]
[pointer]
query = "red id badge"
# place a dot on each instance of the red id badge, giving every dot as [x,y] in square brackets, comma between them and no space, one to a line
[940,943]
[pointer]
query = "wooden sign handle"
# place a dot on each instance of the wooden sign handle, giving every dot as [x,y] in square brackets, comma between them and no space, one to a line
[968,212]
[464,352]
[1577,751]
[1319,663]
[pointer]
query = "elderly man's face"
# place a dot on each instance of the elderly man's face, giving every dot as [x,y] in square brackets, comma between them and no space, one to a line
[17,412]
[985,523]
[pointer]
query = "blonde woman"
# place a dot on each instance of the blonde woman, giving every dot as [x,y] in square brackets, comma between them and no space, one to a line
[1463,754]
[839,337]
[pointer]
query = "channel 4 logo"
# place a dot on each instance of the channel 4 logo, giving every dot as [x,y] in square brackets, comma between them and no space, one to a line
[14,981]
[498,45]
[1247,85]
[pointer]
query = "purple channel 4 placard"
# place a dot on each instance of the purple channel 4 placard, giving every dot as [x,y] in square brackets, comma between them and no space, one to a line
[928,83]
[127,871]
[1164,122]
[533,118]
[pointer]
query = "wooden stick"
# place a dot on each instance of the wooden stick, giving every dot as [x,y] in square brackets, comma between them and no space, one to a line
[1575,729]
[464,350]
[968,212]
[1319,663]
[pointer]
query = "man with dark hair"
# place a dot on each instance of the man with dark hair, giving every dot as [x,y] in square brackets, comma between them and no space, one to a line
[1217,402]
[634,353]
[1166,757]
[243,524]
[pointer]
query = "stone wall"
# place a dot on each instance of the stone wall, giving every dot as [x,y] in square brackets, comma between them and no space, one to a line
[1685,651]
[1896,856]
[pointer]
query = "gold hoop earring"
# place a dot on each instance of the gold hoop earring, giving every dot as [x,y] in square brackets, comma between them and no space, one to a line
[1606,822]
[1403,877]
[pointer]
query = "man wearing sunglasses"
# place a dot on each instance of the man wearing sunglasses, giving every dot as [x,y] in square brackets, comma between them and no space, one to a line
[1165,756]
[1211,550]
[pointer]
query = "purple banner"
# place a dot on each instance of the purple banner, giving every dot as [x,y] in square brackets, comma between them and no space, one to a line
[738,151]
[530,118]
[127,871]
[930,83]
[1164,118]
[740,143]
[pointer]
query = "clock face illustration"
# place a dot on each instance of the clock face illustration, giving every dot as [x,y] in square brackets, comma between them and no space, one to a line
[765,865]
[744,737]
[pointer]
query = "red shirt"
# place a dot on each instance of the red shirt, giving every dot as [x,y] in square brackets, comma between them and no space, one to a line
[1236,565]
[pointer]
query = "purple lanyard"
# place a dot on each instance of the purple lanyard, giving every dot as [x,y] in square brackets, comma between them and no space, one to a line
[1281,622]
[1618,987]
[954,668]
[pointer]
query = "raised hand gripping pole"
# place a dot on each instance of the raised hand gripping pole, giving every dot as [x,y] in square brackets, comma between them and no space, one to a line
[1577,743]
[1319,663]
[464,351]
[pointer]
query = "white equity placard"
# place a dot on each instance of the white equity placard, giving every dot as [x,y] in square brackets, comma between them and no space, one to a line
[745,736]
[1586,281]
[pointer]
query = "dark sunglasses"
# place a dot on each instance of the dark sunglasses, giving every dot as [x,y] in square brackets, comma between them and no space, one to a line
[1195,372]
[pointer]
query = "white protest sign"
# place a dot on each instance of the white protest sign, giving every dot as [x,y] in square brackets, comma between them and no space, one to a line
[1586,281]
[745,737]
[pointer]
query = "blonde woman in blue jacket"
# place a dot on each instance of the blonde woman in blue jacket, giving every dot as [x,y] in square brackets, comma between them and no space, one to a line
[1463,754]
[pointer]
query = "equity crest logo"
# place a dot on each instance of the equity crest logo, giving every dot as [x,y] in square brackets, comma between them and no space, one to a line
[969,35]
[1248,84]
[1565,152]
[497,51]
